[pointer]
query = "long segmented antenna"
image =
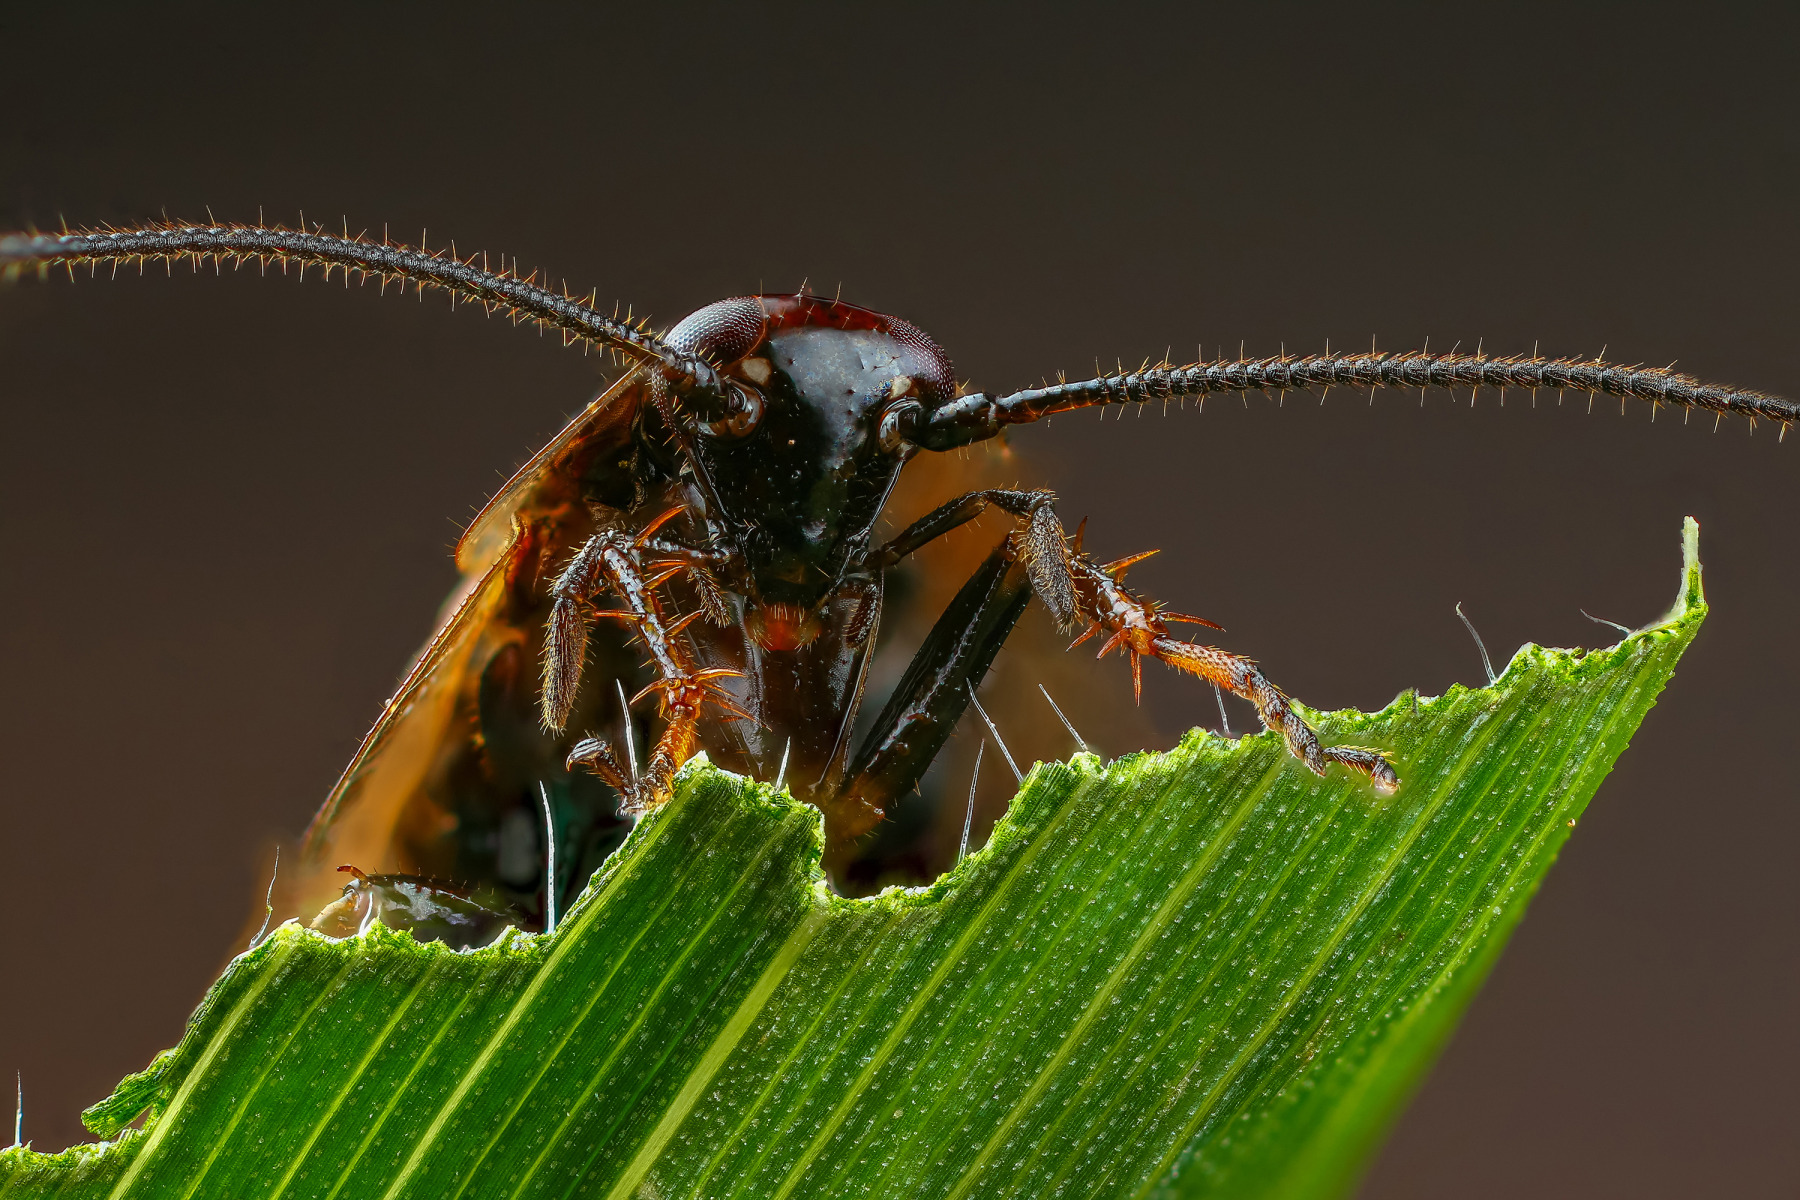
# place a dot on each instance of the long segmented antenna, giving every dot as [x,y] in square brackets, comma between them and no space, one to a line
[504,291]
[975,416]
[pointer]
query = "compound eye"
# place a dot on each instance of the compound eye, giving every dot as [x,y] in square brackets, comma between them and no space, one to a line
[745,413]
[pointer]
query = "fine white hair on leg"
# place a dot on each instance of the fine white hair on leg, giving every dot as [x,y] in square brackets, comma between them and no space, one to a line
[962,851]
[629,734]
[549,860]
[1080,742]
[1486,663]
[268,903]
[1603,621]
[1004,752]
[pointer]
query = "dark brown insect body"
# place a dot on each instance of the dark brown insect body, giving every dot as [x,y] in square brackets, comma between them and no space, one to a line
[718,506]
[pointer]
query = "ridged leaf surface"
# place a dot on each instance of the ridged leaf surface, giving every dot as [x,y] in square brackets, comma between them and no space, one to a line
[1201,973]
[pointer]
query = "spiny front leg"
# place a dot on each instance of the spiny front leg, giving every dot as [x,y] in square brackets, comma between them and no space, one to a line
[611,561]
[1141,628]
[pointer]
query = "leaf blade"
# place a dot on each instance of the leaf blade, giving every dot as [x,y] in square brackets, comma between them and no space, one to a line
[1200,973]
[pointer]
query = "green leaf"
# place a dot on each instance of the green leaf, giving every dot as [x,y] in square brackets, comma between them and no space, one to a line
[1192,974]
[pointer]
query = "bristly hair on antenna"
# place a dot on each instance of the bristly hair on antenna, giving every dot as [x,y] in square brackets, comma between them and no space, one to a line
[978,415]
[521,298]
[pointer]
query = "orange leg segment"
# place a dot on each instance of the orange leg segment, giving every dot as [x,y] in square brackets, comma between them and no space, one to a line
[1140,627]
[1076,589]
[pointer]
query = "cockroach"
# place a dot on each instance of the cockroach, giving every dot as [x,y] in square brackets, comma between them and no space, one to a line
[716,507]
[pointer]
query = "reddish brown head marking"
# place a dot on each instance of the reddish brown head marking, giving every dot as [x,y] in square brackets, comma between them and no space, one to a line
[727,331]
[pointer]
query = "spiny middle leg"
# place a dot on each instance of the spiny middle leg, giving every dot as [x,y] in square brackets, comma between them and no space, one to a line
[1141,628]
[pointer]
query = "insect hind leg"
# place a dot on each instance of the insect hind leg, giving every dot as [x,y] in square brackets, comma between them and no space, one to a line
[931,697]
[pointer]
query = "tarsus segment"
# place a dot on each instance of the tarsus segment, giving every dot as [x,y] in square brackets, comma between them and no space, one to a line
[978,415]
[522,298]
[1141,629]
[1242,677]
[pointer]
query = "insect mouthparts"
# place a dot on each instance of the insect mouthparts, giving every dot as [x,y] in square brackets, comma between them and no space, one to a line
[782,626]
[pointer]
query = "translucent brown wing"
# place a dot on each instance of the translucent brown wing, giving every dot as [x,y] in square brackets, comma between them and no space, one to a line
[357,817]
[409,786]
[604,424]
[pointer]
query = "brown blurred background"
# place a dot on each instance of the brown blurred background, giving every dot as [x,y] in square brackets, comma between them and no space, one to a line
[227,504]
